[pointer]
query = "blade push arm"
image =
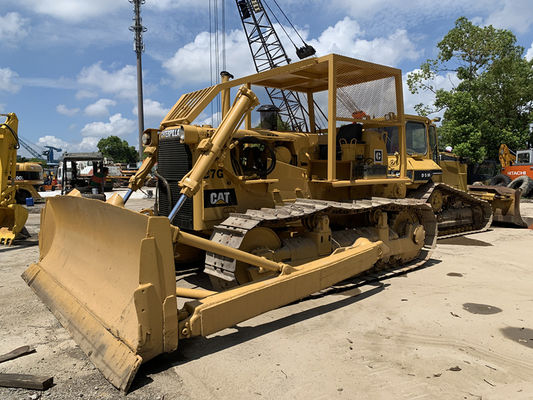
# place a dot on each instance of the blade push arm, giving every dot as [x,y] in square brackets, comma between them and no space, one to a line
[212,148]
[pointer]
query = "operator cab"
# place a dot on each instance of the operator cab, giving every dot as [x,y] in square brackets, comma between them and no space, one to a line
[524,157]
[415,139]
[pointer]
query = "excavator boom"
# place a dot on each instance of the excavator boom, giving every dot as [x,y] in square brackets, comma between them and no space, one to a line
[12,215]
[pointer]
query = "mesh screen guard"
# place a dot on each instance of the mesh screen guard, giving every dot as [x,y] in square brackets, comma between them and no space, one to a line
[375,98]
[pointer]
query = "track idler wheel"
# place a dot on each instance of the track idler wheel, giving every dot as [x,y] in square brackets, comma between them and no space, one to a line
[406,224]
[259,241]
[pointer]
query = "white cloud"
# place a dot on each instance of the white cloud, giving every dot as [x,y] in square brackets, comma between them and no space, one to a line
[121,83]
[85,94]
[192,60]
[345,37]
[516,15]
[446,82]
[63,109]
[12,27]
[175,4]
[74,10]
[407,12]
[8,80]
[49,83]
[117,126]
[86,144]
[529,54]
[152,109]
[100,107]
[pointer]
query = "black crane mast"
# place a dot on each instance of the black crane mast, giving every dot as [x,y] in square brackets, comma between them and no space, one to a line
[267,53]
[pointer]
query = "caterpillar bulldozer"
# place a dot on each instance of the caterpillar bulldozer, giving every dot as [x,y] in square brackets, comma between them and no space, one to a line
[276,215]
[440,178]
[13,216]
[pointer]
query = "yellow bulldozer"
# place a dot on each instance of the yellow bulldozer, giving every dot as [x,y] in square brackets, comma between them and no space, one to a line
[277,215]
[13,216]
[440,178]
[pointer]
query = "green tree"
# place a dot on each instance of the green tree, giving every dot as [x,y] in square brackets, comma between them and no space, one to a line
[492,102]
[117,149]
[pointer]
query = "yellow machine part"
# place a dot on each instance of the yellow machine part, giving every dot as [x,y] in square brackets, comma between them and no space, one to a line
[12,220]
[115,290]
[505,203]
[107,273]
[12,216]
[103,284]
[30,189]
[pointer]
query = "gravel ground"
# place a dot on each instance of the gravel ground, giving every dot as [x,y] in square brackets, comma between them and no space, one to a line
[461,328]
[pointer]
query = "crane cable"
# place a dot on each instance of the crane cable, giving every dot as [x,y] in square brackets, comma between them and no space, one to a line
[288,20]
[223,35]
[217,51]
[210,60]
[280,24]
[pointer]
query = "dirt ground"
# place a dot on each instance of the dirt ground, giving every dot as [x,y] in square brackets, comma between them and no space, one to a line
[460,328]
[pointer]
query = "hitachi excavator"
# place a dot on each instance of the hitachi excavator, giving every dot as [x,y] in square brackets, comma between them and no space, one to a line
[13,216]
[279,215]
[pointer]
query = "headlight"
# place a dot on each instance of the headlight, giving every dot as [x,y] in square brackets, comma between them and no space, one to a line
[146,139]
[181,133]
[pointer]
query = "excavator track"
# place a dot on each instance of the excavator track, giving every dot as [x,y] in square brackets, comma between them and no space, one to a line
[458,202]
[232,231]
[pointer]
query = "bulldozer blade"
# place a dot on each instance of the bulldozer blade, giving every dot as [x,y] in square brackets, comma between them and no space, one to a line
[107,274]
[12,220]
[505,203]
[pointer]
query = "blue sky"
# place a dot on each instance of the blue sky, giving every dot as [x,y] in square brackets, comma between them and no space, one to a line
[68,67]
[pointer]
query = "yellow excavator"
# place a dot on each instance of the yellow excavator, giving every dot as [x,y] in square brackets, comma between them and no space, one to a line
[29,178]
[13,216]
[280,214]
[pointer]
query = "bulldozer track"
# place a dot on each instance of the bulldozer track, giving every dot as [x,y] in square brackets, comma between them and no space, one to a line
[424,193]
[231,232]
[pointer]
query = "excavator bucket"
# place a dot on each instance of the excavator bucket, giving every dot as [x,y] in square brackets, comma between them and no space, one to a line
[12,220]
[505,203]
[114,290]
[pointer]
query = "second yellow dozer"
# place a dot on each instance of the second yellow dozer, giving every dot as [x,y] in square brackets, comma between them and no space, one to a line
[289,213]
[13,216]
[440,178]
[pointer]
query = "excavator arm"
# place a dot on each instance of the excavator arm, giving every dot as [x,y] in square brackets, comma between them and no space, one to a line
[12,216]
[506,156]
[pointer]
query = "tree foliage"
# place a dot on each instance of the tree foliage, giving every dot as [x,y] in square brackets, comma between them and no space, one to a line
[493,100]
[117,149]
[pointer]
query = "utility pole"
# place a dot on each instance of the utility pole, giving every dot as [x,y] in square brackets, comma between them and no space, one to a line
[138,47]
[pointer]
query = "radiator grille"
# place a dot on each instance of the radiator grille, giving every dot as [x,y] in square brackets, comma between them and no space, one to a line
[174,161]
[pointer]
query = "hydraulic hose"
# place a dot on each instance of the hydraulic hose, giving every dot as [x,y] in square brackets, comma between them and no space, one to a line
[165,184]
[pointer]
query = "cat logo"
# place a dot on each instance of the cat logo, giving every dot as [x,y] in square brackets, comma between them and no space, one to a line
[378,156]
[219,198]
